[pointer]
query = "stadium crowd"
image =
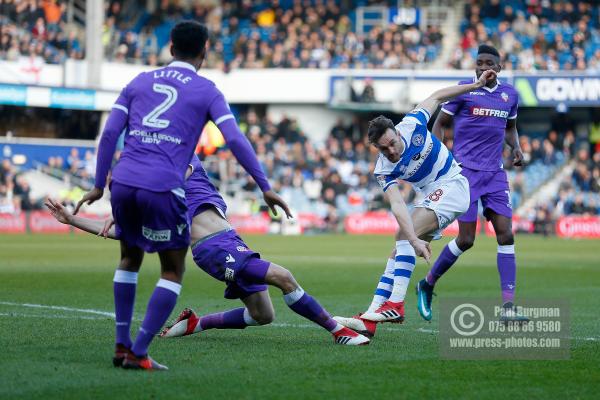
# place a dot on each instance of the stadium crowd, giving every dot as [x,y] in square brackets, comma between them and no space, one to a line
[271,34]
[244,34]
[533,35]
[37,29]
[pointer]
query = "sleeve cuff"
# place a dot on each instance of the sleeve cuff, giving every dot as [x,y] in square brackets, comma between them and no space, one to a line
[265,186]
[120,107]
[223,118]
[389,184]
[447,112]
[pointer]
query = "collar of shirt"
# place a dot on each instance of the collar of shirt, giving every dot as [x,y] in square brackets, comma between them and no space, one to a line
[491,90]
[182,64]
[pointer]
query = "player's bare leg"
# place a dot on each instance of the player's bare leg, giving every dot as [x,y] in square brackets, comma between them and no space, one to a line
[305,305]
[259,311]
[463,242]
[124,288]
[450,253]
[425,222]
[160,306]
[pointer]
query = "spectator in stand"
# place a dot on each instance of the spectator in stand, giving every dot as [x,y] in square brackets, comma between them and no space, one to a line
[543,222]
[533,35]
[245,34]
[36,29]
[74,163]
[368,94]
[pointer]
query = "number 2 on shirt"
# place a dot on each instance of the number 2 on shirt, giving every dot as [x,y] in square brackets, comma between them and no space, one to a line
[151,119]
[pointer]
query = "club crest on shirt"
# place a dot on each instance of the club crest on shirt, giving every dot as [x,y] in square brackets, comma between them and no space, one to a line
[418,139]
[504,96]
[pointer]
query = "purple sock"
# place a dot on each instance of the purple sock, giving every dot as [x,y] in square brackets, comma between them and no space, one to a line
[305,305]
[507,269]
[160,306]
[124,285]
[232,319]
[447,258]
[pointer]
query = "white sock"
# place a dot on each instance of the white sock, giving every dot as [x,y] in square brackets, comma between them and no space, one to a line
[169,285]
[454,249]
[293,296]
[384,287]
[405,264]
[122,276]
[248,319]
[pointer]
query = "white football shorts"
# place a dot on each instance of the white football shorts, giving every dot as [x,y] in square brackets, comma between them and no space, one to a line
[448,199]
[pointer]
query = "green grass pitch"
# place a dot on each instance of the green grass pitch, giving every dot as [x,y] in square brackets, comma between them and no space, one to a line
[59,353]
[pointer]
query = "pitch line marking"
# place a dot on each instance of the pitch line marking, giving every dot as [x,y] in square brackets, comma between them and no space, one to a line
[60,308]
[112,315]
[50,316]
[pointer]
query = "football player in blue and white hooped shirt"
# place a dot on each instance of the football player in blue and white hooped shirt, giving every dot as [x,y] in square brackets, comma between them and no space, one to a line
[409,152]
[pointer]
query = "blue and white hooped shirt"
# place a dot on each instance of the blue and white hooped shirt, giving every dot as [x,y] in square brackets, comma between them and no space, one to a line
[424,160]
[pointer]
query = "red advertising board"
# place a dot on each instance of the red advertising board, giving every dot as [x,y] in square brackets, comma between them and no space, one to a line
[518,225]
[10,223]
[250,223]
[575,226]
[375,222]
[310,221]
[385,223]
[44,222]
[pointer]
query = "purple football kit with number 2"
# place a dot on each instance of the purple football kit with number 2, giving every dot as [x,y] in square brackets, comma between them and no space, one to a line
[147,187]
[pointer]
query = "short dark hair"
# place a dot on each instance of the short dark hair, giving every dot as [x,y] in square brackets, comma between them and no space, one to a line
[487,49]
[377,127]
[188,39]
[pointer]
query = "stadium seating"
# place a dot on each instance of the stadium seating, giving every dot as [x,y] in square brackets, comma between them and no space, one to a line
[253,34]
[533,35]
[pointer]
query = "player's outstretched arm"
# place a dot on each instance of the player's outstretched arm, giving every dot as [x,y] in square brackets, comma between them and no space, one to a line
[400,211]
[442,125]
[96,227]
[439,96]
[244,153]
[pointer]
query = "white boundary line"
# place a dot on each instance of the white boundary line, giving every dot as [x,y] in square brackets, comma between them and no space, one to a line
[112,315]
[60,308]
[53,316]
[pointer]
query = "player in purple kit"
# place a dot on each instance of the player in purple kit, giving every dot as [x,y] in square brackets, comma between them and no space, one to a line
[221,253]
[162,113]
[483,120]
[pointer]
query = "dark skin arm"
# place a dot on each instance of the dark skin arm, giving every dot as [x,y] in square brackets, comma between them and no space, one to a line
[442,125]
[511,137]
